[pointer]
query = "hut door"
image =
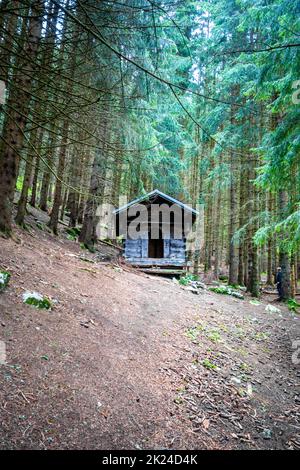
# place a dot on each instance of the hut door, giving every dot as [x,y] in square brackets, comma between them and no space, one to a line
[156,248]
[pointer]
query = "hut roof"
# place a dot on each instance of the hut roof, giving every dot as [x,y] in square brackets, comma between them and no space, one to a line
[153,195]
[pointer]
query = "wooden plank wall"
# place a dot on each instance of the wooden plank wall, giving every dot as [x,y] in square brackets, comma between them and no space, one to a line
[133,248]
[173,249]
[177,248]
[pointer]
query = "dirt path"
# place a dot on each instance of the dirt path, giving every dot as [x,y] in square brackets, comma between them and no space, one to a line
[125,360]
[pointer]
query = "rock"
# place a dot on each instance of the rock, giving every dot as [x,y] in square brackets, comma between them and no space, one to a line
[254,302]
[267,434]
[271,309]
[192,289]
[198,285]
[201,285]
[235,380]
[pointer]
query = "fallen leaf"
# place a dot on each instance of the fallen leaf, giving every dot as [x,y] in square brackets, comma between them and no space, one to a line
[205,423]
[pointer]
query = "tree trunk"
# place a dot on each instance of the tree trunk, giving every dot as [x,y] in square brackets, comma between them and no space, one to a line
[27,179]
[233,224]
[217,226]
[44,193]
[8,42]
[73,198]
[18,105]
[53,222]
[88,231]
[270,268]
[253,269]
[242,221]
[233,250]
[284,256]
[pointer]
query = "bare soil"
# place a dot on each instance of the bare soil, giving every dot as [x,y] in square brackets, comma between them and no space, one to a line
[125,360]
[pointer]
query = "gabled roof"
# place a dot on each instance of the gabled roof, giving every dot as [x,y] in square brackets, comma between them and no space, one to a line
[152,194]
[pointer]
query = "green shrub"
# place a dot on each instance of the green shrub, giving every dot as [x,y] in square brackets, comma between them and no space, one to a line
[73,233]
[187,278]
[226,290]
[208,364]
[4,279]
[293,305]
[37,300]
[214,336]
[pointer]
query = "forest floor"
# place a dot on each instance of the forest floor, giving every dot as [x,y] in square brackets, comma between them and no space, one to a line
[130,361]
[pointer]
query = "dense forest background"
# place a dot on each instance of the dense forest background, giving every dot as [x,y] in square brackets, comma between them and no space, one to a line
[196,98]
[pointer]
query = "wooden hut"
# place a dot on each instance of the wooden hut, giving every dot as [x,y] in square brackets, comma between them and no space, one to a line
[161,239]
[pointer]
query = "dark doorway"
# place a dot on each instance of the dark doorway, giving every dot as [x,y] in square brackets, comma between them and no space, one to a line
[156,248]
